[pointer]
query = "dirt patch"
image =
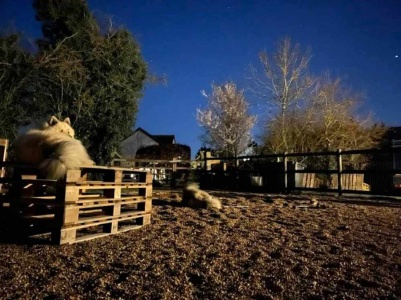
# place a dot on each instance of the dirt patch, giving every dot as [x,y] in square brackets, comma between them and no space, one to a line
[256,247]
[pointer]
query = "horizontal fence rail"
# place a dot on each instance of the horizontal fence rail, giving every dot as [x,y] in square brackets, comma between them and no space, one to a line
[166,173]
[368,171]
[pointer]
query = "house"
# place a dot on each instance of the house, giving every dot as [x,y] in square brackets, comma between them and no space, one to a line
[143,145]
[142,139]
[159,154]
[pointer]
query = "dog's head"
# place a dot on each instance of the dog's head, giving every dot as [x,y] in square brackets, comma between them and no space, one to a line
[56,125]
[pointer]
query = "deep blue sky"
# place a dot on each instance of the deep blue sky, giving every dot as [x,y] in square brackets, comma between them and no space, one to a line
[199,42]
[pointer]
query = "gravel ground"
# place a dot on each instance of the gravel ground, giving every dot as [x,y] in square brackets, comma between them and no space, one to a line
[256,247]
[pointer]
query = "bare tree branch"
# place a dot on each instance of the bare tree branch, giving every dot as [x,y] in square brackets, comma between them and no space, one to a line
[226,121]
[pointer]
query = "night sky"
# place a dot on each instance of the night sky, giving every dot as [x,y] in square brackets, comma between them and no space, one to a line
[199,42]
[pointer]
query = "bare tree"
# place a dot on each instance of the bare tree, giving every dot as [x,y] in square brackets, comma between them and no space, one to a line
[308,114]
[334,113]
[336,122]
[282,83]
[226,120]
[328,121]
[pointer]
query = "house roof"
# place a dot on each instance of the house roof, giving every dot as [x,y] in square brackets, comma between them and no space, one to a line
[161,139]
[144,131]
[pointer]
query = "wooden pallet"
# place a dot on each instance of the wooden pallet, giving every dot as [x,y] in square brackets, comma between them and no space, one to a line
[88,197]
[91,228]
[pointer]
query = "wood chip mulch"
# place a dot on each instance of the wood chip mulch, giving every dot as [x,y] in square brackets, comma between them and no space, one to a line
[256,247]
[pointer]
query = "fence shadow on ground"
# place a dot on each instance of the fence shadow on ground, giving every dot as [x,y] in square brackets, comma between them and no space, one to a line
[163,202]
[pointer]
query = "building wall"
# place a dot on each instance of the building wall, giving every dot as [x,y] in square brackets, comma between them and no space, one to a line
[136,141]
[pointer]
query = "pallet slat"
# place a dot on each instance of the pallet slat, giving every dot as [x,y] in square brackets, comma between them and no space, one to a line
[68,235]
[109,203]
[91,221]
[103,183]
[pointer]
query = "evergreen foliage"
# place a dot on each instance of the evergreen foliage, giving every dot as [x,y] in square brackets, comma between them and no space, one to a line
[94,78]
[93,75]
[15,71]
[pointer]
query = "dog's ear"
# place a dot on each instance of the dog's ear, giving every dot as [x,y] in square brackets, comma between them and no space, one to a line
[67,120]
[53,121]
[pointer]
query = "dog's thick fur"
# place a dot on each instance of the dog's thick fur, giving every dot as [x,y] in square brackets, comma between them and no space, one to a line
[192,196]
[53,149]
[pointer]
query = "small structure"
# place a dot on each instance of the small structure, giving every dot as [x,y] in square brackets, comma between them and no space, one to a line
[205,161]
[394,135]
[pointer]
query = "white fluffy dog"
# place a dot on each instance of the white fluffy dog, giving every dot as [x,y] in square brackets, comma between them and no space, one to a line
[192,196]
[53,149]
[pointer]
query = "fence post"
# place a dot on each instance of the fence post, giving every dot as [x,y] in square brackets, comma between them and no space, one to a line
[173,173]
[205,160]
[339,172]
[285,162]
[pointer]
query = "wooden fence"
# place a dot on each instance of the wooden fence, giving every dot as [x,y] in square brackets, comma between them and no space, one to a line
[172,173]
[370,171]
